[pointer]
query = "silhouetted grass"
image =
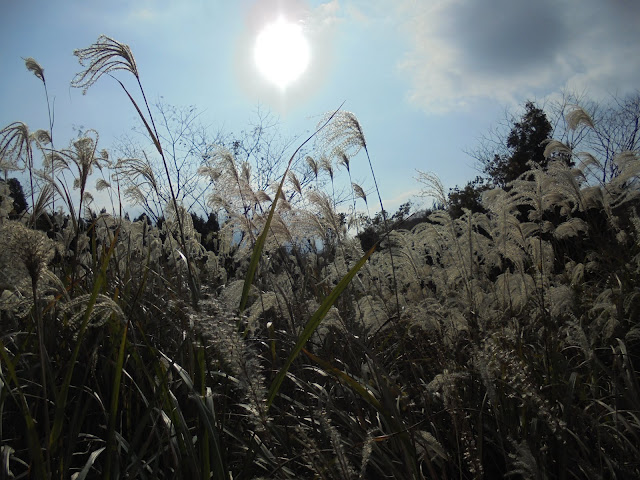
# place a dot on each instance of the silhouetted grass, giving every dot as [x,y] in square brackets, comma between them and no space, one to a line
[496,344]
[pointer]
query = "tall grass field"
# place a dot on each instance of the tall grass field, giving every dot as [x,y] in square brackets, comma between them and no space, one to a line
[495,344]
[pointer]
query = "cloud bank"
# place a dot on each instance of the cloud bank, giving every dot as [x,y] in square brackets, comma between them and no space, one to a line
[461,51]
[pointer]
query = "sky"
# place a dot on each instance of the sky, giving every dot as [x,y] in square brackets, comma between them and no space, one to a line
[425,78]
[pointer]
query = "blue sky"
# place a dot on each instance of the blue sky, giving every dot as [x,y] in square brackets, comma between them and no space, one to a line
[425,78]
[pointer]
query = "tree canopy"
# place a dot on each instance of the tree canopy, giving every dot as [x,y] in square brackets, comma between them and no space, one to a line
[525,144]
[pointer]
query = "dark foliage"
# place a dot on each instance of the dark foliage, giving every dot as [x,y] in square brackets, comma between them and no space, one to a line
[17,194]
[468,198]
[526,143]
[208,229]
[402,219]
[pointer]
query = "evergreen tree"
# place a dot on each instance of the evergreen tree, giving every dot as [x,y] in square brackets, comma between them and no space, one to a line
[525,143]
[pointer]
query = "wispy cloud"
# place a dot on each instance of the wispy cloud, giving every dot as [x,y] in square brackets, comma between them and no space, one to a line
[462,50]
[326,15]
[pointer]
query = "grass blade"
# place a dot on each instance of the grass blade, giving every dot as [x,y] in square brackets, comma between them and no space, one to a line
[314,322]
[113,411]
[35,451]
[87,466]
[61,401]
[352,382]
[257,249]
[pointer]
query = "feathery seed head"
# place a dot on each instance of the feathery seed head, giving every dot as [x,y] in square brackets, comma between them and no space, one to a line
[103,57]
[578,116]
[313,165]
[213,173]
[31,247]
[343,159]
[34,67]
[435,188]
[263,196]
[15,144]
[295,182]
[103,309]
[556,147]
[359,191]
[87,198]
[102,184]
[327,166]
[42,137]
[172,219]
[344,133]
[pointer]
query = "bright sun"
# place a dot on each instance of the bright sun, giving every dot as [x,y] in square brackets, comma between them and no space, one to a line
[281,52]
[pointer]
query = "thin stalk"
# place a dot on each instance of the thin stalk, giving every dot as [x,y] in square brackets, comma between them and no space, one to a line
[61,400]
[153,133]
[257,249]
[51,122]
[386,227]
[43,352]
[313,324]
[113,411]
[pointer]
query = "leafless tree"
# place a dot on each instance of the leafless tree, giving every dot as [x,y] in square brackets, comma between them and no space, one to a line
[261,152]
[187,144]
[616,128]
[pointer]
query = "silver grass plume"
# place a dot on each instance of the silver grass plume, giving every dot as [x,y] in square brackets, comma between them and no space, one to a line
[103,309]
[313,165]
[42,137]
[326,214]
[570,228]
[213,173]
[137,172]
[32,248]
[44,197]
[344,134]
[219,329]
[263,197]
[103,57]
[435,188]
[14,145]
[102,184]
[628,163]
[359,191]
[344,160]
[588,162]
[578,116]
[293,178]
[34,67]
[327,166]
[556,147]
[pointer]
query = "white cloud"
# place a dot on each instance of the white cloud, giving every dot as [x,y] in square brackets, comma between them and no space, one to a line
[391,204]
[461,51]
[325,15]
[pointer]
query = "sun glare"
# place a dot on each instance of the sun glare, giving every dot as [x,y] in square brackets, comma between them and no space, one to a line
[281,52]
